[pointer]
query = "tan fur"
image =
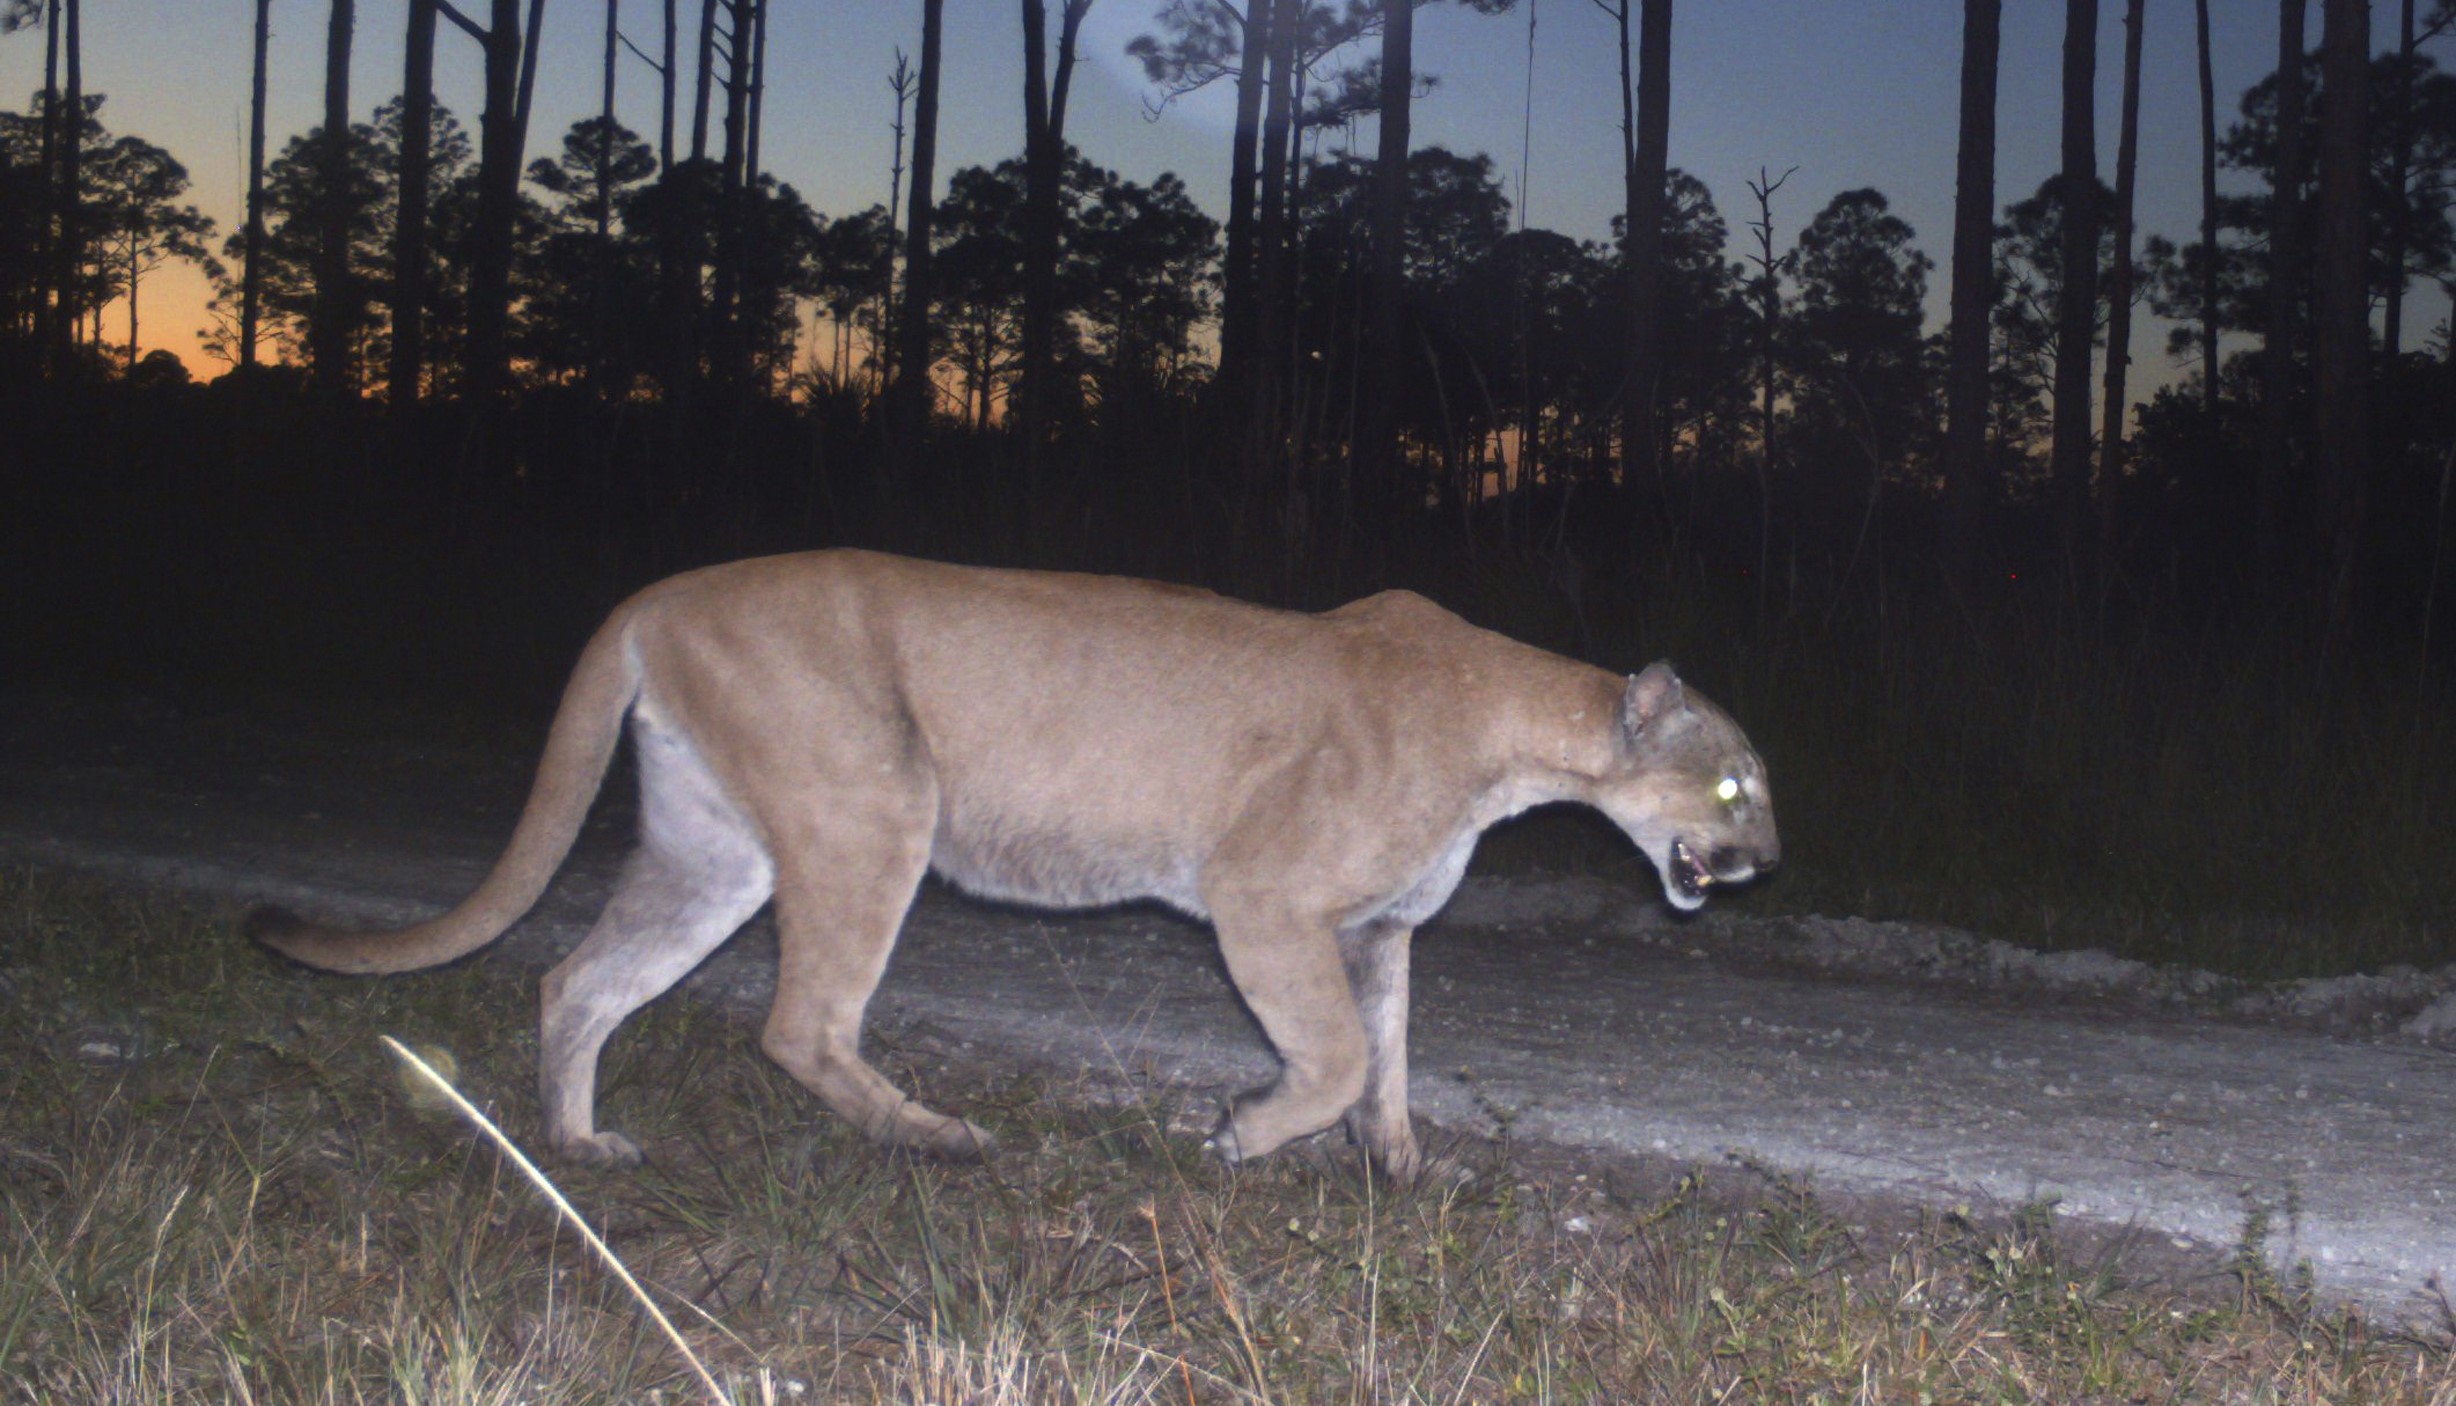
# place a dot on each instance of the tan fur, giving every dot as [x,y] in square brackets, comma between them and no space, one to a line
[827,727]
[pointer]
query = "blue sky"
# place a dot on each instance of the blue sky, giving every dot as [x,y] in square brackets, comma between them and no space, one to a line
[1851,92]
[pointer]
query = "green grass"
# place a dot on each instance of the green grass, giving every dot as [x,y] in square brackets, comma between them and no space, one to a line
[215,1187]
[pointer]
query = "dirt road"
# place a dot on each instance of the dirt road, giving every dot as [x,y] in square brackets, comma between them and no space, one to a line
[1581,1013]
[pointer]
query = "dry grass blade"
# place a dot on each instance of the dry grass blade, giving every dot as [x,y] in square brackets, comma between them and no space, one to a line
[1168,1293]
[563,1207]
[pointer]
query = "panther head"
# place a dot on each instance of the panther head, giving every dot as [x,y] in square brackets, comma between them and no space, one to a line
[1688,789]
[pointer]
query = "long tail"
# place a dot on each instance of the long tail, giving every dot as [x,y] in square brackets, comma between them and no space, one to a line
[579,747]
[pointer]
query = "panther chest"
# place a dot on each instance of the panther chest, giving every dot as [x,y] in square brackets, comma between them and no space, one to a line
[1431,887]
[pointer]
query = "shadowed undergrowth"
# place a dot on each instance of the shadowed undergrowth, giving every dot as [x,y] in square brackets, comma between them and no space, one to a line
[2208,798]
[216,1187]
[2169,774]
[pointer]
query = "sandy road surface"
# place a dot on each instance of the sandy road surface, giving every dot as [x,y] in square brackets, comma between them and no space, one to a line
[1584,1015]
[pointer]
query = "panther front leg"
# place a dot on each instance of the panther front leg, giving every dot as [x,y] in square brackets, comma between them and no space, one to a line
[1287,966]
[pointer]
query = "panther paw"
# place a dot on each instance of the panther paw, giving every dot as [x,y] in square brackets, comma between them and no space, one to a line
[1222,1144]
[601,1150]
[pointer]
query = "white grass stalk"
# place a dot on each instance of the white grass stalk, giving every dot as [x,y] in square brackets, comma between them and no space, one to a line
[569,1213]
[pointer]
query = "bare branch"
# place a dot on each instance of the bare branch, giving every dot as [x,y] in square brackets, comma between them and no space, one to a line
[468,26]
[638,52]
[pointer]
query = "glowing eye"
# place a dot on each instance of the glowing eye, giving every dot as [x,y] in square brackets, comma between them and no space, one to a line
[1727,790]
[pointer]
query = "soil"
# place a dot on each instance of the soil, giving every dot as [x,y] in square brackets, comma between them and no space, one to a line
[1888,1063]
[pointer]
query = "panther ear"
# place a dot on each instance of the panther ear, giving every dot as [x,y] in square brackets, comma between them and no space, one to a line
[1653,695]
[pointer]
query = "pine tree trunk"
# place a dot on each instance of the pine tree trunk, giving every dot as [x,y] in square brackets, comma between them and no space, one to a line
[2208,220]
[49,180]
[1270,235]
[900,83]
[527,43]
[707,73]
[1044,119]
[1377,457]
[2400,162]
[2119,297]
[1061,82]
[912,387]
[667,79]
[758,92]
[1641,440]
[328,329]
[251,274]
[601,294]
[605,127]
[409,257]
[490,263]
[727,347]
[677,353]
[2340,304]
[133,271]
[2077,303]
[1968,402]
[1237,273]
[1628,215]
[2287,277]
[1040,162]
[69,255]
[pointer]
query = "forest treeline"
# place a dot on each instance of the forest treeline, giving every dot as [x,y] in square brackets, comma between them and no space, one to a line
[656,323]
[2037,644]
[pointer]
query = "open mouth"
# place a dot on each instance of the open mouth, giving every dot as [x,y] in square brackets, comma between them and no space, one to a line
[1689,876]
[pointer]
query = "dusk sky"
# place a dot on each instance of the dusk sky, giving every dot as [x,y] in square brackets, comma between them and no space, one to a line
[1852,92]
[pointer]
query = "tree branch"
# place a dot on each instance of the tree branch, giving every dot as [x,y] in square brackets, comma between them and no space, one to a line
[468,26]
[638,52]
